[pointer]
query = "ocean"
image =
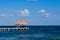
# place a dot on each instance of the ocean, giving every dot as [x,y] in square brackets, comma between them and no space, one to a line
[34,33]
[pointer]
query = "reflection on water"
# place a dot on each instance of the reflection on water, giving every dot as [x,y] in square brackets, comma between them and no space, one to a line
[34,33]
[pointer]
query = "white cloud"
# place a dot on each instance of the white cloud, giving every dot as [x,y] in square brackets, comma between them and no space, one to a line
[42,11]
[5,15]
[24,12]
[46,14]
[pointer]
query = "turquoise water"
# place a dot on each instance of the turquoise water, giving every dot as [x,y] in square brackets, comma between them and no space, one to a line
[34,33]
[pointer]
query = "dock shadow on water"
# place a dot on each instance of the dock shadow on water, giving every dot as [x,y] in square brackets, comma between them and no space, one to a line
[34,33]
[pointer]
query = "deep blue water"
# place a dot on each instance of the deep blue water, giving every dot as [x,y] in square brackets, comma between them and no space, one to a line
[34,33]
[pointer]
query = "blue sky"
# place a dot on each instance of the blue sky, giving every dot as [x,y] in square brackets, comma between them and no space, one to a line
[34,12]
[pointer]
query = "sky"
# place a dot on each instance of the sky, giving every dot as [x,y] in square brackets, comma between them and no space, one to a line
[34,12]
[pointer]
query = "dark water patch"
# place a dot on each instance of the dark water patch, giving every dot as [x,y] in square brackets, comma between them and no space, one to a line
[34,32]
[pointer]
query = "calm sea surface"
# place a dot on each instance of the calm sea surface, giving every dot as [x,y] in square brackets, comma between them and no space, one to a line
[34,33]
